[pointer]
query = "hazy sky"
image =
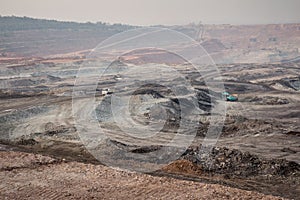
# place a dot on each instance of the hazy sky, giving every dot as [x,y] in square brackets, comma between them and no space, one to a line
[152,12]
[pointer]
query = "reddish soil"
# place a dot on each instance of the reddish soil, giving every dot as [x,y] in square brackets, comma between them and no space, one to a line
[30,176]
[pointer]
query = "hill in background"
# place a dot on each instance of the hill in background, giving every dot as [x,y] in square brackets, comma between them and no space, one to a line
[23,36]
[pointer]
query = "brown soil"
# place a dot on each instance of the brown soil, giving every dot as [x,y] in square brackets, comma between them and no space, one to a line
[236,169]
[40,177]
[183,167]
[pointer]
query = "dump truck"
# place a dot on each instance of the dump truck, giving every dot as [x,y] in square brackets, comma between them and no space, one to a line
[229,97]
[105,91]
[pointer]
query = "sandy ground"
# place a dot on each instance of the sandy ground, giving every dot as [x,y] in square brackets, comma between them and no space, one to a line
[30,176]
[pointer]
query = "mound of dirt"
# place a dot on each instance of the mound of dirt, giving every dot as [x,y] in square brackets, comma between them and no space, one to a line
[291,83]
[239,125]
[52,129]
[183,167]
[213,45]
[267,100]
[241,164]
[239,169]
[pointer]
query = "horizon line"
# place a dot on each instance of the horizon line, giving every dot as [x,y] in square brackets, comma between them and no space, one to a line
[116,23]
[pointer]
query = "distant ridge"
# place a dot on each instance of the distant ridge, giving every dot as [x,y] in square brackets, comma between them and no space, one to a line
[14,23]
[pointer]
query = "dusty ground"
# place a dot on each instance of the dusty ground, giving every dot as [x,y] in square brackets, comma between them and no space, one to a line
[31,176]
[36,117]
[258,151]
